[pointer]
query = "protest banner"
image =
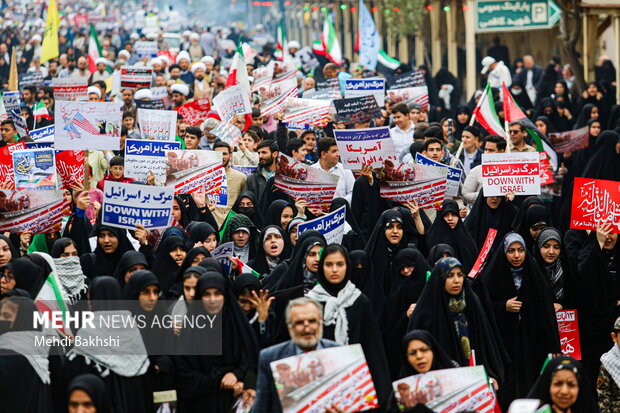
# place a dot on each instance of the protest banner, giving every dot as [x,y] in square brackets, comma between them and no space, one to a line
[246,170]
[568,327]
[570,141]
[145,49]
[464,389]
[262,77]
[150,104]
[196,112]
[45,134]
[70,88]
[354,88]
[136,77]
[329,83]
[12,105]
[191,171]
[359,147]
[516,172]
[70,168]
[405,80]
[7,178]
[595,201]
[34,169]
[142,157]
[87,126]
[484,253]
[232,101]
[323,94]
[453,183]
[418,94]
[306,111]
[228,133]
[128,205]
[357,110]
[36,211]
[409,182]
[159,92]
[280,89]
[39,145]
[31,79]
[332,375]
[158,125]
[330,225]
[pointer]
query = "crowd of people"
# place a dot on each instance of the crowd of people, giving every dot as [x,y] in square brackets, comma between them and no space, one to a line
[398,282]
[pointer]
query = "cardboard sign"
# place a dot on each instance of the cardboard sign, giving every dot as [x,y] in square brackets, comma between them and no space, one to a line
[281,88]
[70,88]
[36,211]
[195,112]
[570,141]
[136,77]
[595,201]
[517,172]
[228,133]
[190,171]
[449,390]
[34,169]
[87,126]
[232,101]
[145,49]
[357,110]
[12,105]
[355,88]
[405,80]
[568,326]
[454,174]
[45,134]
[330,225]
[156,104]
[157,124]
[31,79]
[306,111]
[313,381]
[484,253]
[408,182]
[365,146]
[70,168]
[7,178]
[128,205]
[142,157]
[417,94]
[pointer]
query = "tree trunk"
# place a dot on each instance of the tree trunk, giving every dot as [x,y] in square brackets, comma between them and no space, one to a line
[571,27]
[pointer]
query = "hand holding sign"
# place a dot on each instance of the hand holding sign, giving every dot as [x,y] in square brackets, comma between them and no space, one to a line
[603,229]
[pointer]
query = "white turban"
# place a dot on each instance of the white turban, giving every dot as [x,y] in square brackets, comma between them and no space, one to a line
[194,36]
[101,60]
[183,55]
[155,61]
[293,44]
[143,94]
[95,90]
[36,37]
[134,36]
[151,36]
[197,66]
[124,53]
[208,59]
[181,88]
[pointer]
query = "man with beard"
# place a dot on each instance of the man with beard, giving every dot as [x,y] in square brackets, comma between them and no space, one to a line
[235,179]
[128,105]
[268,152]
[180,92]
[305,325]
[201,87]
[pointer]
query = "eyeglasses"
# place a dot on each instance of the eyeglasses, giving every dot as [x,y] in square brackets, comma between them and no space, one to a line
[8,277]
[302,323]
[514,131]
[421,350]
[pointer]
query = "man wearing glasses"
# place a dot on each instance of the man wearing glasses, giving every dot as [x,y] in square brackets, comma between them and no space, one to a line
[517,138]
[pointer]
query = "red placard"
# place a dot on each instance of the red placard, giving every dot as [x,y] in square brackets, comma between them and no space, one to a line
[484,252]
[568,327]
[595,201]
[195,112]
[546,174]
[70,168]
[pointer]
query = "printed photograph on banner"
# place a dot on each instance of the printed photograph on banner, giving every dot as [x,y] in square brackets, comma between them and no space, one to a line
[35,169]
[128,205]
[87,126]
[313,381]
[418,94]
[273,97]
[595,201]
[298,172]
[191,171]
[409,182]
[142,157]
[37,211]
[360,147]
[570,141]
[306,111]
[516,172]
[263,76]
[157,124]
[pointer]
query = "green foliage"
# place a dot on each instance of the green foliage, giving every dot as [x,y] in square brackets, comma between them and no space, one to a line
[409,17]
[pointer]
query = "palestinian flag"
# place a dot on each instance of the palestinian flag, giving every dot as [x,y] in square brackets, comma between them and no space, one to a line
[485,114]
[387,61]
[282,40]
[39,111]
[94,50]
[329,39]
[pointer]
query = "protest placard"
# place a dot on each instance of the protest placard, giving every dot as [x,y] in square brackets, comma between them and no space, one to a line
[323,94]
[7,178]
[280,89]
[570,141]
[87,126]
[232,101]
[546,173]
[306,111]
[330,225]
[36,211]
[307,58]
[142,157]
[262,77]
[12,105]
[40,145]
[227,133]
[484,253]
[405,80]
[217,193]
[354,88]
[145,49]
[595,201]
[365,146]
[333,375]
[454,174]
[246,170]
[418,94]
[331,83]
[31,79]
[296,126]
[357,110]
[70,88]
[157,124]
[568,327]
[409,182]
[70,168]
[191,171]
[196,112]
[516,172]
[136,77]
[159,92]
[45,134]
[464,389]
[128,205]
[34,169]
[150,104]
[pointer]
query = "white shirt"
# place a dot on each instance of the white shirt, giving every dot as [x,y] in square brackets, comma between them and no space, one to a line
[402,138]
[344,189]
[500,74]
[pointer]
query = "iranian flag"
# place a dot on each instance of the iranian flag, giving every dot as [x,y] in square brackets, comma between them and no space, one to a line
[512,113]
[39,111]
[485,113]
[329,39]
[282,40]
[94,50]
[244,268]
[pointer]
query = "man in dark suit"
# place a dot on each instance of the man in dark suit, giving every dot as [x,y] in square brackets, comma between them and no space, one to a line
[530,76]
[305,325]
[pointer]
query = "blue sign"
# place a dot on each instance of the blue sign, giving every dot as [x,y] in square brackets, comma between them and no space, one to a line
[42,133]
[330,225]
[454,174]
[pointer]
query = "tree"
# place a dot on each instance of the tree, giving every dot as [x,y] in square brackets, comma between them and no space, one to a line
[409,17]
[571,27]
